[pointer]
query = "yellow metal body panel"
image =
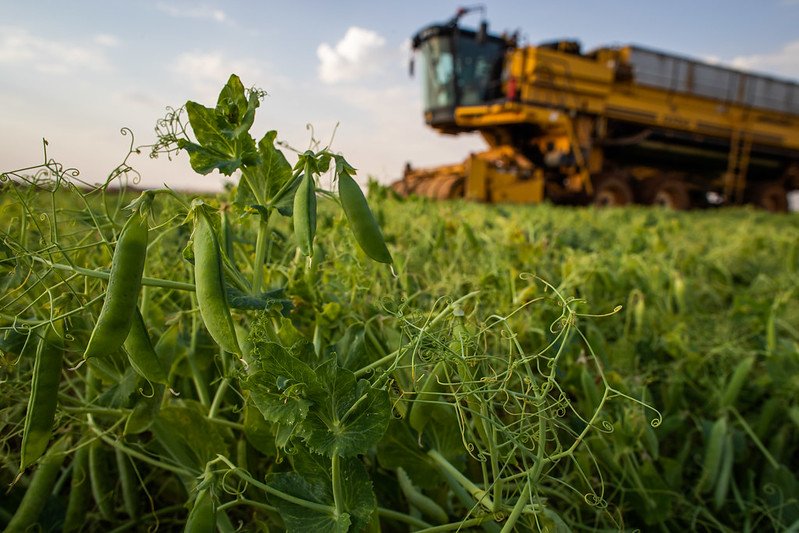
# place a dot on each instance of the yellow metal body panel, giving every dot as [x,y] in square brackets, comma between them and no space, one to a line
[553,83]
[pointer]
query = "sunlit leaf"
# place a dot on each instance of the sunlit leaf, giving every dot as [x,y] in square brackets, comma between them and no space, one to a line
[348,417]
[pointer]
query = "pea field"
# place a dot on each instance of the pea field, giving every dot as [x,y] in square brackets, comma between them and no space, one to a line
[295,355]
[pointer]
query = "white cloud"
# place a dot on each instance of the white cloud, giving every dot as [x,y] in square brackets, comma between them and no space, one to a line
[106,39]
[207,72]
[189,11]
[18,45]
[359,54]
[784,61]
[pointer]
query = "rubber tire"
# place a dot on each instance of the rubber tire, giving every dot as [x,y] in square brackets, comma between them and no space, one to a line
[673,194]
[771,196]
[613,192]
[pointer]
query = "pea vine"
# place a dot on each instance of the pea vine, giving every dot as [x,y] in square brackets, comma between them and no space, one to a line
[215,366]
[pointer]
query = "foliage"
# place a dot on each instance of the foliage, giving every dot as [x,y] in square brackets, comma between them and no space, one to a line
[649,382]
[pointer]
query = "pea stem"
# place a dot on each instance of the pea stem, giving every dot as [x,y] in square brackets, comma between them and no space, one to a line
[249,503]
[402,517]
[260,255]
[138,455]
[338,491]
[275,492]
[164,511]
[477,493]
[101,274]
[758,443]
[220,393]
[199,383]
[458,525]
[435,320]
[517,509]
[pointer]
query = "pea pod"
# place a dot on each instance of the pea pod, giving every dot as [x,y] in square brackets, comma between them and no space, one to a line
[38,492]
[128,483]
[713,455]
[736,382]
[725,473]
[100,478]
[362,222]
[124,283]
[79,492]
[210,282]
[305,213]
[43,400]
[202,517]
[141,353]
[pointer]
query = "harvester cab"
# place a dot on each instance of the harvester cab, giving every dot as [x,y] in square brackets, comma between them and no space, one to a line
[461,67]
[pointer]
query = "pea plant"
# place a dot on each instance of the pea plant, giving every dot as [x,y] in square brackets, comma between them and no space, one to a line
[238,397]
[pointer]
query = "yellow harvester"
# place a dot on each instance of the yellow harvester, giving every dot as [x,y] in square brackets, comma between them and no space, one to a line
[612,126]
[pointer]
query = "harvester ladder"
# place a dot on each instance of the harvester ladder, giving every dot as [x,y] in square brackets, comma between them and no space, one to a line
[571,114]
[738,164]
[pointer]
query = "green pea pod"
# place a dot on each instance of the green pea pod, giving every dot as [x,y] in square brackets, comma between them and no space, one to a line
[362,222]
[141,353]
[124,283]
[202,517]
[725,473]
[210,282]
[38,492]
[43,400]
[128,483]
[305,214]
[100,478]
[79,492]
[736,382]
[227,232]
[713,455]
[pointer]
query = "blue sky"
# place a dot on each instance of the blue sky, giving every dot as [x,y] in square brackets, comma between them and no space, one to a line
[77,72]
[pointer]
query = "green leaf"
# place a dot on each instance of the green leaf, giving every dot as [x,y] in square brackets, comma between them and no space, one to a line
[266,179]
[295,342]
[297,517]
[271,300]
[347,417]
[258,432]
[283,201]
[236,108]
[280,389]
[123,392]
[312,481]
[223,141]
[351,349]
[187,435]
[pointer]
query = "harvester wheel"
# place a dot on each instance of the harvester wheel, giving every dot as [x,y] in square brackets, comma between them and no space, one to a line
[770,196]
[613,192]
[446,188]
[672,195]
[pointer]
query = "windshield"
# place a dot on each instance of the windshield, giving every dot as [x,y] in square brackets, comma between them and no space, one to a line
[439,67]
[479,67]
[468,75]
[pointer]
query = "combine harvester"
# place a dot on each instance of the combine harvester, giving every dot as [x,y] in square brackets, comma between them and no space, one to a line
[612,126]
